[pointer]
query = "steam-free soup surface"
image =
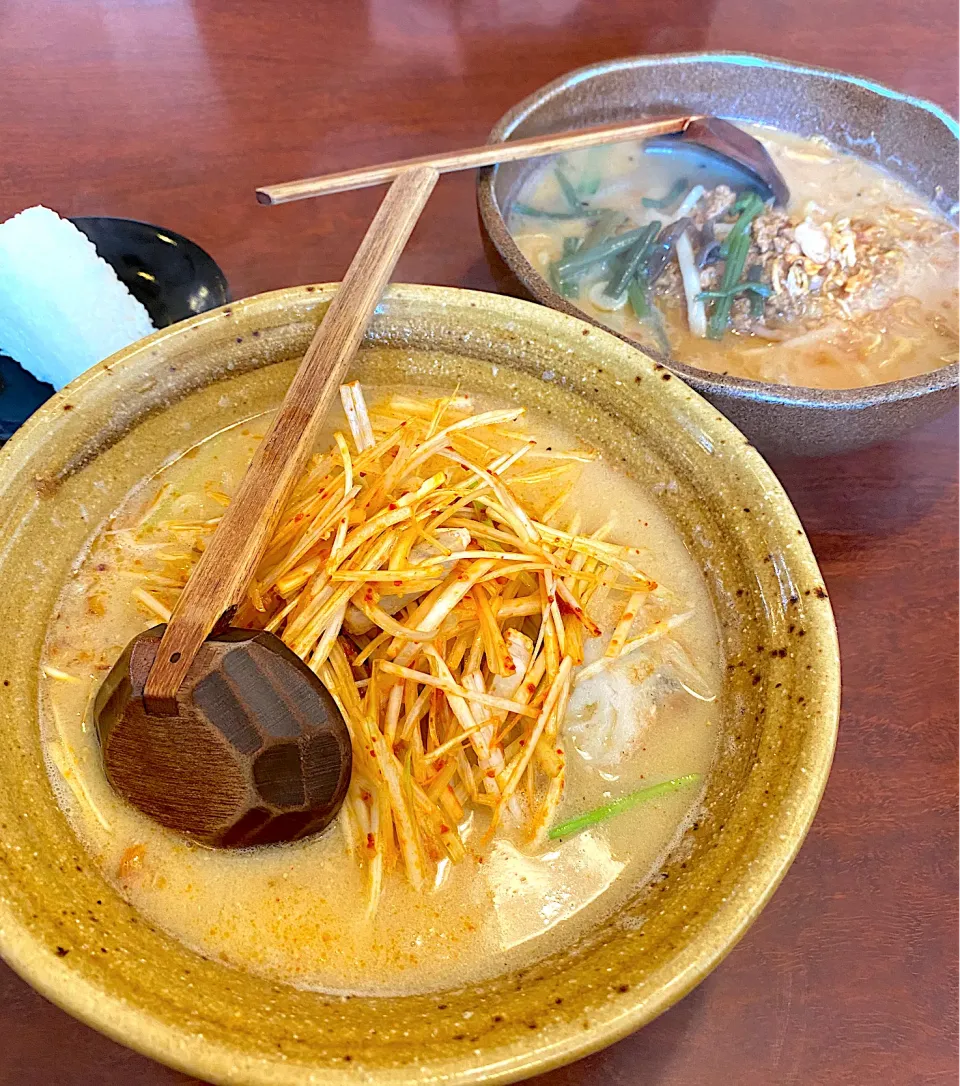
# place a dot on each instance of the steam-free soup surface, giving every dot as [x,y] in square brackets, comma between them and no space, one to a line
[853,284]
[301,912]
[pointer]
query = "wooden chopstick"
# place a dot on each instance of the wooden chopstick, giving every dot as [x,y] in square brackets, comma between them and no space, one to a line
[220,579]
[486,155]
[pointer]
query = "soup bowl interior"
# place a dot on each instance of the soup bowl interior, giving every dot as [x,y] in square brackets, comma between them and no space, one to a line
[68,932]
[915,141]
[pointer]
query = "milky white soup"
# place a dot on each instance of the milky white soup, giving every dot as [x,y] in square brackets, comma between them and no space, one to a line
[303,913]
[853,283]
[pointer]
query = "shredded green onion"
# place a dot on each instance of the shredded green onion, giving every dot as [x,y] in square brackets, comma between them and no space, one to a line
[618,806]
[761,290]
[605,225]
[585,258]
[541,213]
[754,273]
[745,200]
[732,271]
[750,206]
[638,293]
[680,186]
[567,287]
[734,250]
[634,257]
[569,192]
[590,176]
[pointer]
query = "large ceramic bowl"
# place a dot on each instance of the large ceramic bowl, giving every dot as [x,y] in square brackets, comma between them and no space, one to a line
[915,140]
[67,931]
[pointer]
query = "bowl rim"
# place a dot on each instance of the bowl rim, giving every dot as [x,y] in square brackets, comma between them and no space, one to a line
[119,1019]
[706,382]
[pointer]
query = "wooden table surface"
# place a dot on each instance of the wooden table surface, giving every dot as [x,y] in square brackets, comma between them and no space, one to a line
[173,111]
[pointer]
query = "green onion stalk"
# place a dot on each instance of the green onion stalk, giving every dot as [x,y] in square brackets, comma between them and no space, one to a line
[618,806]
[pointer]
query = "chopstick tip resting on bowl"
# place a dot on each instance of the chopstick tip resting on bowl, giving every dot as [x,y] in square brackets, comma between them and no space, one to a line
[474,157]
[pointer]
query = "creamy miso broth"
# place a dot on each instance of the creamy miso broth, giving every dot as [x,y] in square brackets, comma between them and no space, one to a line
[853,284]
[323,912]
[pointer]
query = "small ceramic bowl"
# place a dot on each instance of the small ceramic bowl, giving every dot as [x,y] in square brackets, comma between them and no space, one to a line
[70,934]
[915,140]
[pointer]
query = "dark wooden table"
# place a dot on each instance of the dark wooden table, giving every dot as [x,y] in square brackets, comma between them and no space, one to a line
[173,111]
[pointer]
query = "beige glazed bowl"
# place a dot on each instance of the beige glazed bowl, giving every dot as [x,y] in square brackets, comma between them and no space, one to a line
[65,930]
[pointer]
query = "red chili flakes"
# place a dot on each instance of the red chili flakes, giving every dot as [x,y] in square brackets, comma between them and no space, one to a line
[365,795]
[444,828]
[392,506]
[371,841]
[131,861]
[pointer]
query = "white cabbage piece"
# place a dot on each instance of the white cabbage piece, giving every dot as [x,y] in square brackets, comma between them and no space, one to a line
[610,710]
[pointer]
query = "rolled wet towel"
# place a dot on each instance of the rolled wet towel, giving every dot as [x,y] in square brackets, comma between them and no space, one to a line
[62,307]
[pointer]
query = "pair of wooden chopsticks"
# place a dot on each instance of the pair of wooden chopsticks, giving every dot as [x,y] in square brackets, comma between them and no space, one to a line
[472,158]
[219,582]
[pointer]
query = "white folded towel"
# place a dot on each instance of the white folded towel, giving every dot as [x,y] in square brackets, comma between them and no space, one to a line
[62,307]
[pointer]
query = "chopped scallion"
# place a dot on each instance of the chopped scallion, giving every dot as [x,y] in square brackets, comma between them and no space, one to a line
[541,213]
[618,806]
[638,293]
[568,288]
[760,290]
[679,187]
[750,208]
[754,273]
[733,269]
[605,225]
[634,257]
[590,175]
[569,192]
[585,258]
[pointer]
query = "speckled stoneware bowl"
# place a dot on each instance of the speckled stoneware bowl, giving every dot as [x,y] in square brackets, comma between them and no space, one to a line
[67,931]
[915,140]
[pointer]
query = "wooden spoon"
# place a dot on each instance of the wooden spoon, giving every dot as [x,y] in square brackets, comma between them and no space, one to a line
[232,739]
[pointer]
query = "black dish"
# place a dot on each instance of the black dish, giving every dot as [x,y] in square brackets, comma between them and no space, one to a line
[169,274]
